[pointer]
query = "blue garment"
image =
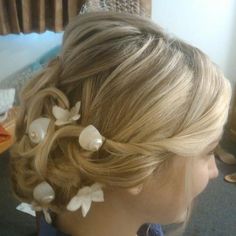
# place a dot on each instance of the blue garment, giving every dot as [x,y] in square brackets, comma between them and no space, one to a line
[145,230]
[150,230]
[46,229]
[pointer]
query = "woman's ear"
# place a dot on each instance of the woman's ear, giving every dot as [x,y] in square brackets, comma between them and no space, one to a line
[136,190]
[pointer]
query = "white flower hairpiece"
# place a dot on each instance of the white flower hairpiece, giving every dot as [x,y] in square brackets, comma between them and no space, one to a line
[84,198]
[46,214]
[43,193]
[64,116]
[90,139]
[38,129]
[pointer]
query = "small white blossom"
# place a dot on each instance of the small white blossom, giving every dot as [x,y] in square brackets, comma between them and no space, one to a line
[64,116]
[84,198]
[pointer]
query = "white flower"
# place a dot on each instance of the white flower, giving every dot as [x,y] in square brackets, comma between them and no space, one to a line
[90,139]
[84,198]
[65,116]
[44,193]
[47,216]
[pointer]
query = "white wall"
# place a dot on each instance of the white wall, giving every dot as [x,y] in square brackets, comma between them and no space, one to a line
[18,51]
[207,24]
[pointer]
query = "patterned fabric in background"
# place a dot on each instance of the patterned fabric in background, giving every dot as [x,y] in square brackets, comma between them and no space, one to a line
[133,7]
[19,79]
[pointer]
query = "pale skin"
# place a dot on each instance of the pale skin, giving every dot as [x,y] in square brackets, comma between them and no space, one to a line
[161,199]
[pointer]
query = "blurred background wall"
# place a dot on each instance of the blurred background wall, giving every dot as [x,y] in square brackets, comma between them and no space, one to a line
[207,24]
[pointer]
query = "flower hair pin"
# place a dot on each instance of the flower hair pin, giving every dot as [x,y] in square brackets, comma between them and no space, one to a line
[43,193]
[64,116]
[85,197]
[38,129]
[90,139]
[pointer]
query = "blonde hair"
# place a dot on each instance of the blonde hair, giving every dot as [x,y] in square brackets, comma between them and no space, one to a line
[150,95]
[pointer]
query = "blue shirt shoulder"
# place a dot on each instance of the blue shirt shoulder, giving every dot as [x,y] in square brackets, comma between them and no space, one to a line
[146,229]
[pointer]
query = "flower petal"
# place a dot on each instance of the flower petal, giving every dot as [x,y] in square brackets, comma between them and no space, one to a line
[97,196]
[75,117]
[86,204]
[74,204]
[96,186]
[61,122]
[60,113]
[84,192]
[47,216]
[75,109]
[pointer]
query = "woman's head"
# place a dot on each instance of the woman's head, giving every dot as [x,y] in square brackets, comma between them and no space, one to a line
[157,100]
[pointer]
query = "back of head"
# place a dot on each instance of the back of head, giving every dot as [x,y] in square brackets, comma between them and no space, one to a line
[152,96]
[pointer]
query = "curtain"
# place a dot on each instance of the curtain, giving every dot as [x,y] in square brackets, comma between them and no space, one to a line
[26,16]
[147,6]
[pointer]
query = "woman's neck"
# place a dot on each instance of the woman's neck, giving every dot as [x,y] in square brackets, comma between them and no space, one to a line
[110,217]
